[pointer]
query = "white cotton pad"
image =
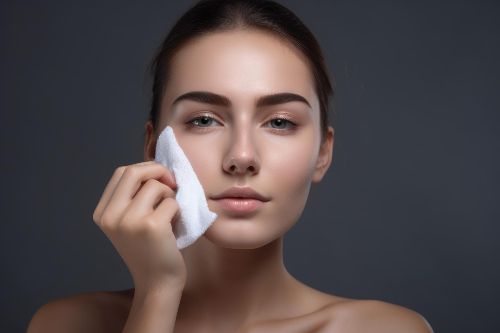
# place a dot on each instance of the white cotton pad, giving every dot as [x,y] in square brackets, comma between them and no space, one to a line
[195,217]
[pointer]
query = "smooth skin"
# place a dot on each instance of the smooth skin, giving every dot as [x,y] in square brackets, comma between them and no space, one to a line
[233,278]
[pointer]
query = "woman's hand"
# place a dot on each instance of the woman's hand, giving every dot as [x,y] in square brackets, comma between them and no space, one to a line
[135,212]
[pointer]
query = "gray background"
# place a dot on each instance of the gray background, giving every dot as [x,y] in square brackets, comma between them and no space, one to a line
[408,212]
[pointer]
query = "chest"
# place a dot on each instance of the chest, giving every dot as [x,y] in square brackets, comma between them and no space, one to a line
[319,322]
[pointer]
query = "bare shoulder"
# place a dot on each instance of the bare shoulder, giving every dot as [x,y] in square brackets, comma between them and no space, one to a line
[351,315]
[335,314]
[101,311]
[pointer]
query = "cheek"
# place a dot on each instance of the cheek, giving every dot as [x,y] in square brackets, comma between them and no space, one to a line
[201,159]
[290,173]
[290,164]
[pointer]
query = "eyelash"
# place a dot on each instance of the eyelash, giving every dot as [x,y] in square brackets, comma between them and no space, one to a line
[198,128]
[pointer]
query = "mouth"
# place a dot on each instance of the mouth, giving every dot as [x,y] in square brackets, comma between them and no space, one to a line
[240,205]
[240,200]
[241,193]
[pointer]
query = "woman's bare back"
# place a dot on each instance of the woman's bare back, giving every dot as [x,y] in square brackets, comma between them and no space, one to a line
[107,312]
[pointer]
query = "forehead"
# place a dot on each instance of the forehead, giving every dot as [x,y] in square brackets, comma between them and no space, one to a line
[241,65]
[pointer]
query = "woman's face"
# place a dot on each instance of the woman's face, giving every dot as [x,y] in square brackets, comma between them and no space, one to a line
[242,143]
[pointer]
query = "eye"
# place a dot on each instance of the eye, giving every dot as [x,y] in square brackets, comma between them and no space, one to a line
[282,122]
[203,120]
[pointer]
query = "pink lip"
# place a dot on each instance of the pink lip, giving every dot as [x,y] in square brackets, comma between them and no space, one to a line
[241,192]
[240,205]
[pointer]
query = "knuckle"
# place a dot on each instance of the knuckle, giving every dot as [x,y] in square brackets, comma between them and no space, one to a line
[95,214]
[170,193]
[128,226]
[130,171]
[174,204]
[131,223]
[106,220]
[159,186]
[120,169]
[128,220]
[148,221]
[144,225]
[152,183]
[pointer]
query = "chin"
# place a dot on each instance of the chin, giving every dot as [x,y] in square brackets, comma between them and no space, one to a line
[238,234]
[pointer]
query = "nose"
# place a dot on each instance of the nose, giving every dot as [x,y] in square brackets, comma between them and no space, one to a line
[241,157]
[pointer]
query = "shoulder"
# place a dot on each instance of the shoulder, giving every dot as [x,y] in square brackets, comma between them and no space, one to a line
[375,316]
[103,311]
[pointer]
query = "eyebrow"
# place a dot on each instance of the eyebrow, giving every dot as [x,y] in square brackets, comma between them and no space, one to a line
[220,100]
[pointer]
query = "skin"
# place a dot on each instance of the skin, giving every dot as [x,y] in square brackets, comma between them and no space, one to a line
[236,278]
[237,265]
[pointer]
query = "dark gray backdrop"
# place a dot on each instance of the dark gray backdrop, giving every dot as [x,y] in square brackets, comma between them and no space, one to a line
[408,212]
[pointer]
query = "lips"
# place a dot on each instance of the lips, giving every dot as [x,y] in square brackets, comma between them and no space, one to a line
[240,200]
[241,193]
[240,205]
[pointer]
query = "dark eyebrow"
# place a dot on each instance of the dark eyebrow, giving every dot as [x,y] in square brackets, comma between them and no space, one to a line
[220,100]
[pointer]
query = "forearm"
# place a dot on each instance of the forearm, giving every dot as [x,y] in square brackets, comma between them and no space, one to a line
[154,311]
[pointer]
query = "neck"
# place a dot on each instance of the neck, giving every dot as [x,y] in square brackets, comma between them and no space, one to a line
[240,283]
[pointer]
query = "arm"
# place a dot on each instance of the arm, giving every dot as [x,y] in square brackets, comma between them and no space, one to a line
[154,311]
[100,313]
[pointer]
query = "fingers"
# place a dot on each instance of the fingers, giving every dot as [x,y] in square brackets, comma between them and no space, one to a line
[126,182]
[109,189]
[147,199]
[136,212]
[168,210]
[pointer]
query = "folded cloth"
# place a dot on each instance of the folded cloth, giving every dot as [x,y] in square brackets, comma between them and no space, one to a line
[195,217]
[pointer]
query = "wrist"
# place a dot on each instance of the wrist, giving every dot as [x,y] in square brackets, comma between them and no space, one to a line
[170,287]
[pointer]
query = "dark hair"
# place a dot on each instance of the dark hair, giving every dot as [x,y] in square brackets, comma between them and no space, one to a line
[223,15]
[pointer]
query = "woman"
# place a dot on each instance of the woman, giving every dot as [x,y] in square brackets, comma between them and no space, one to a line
[244,86]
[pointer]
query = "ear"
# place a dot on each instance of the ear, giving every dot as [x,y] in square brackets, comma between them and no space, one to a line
[149,142]
[325,156]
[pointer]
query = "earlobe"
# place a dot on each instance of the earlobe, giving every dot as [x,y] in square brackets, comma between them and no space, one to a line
[325,156]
